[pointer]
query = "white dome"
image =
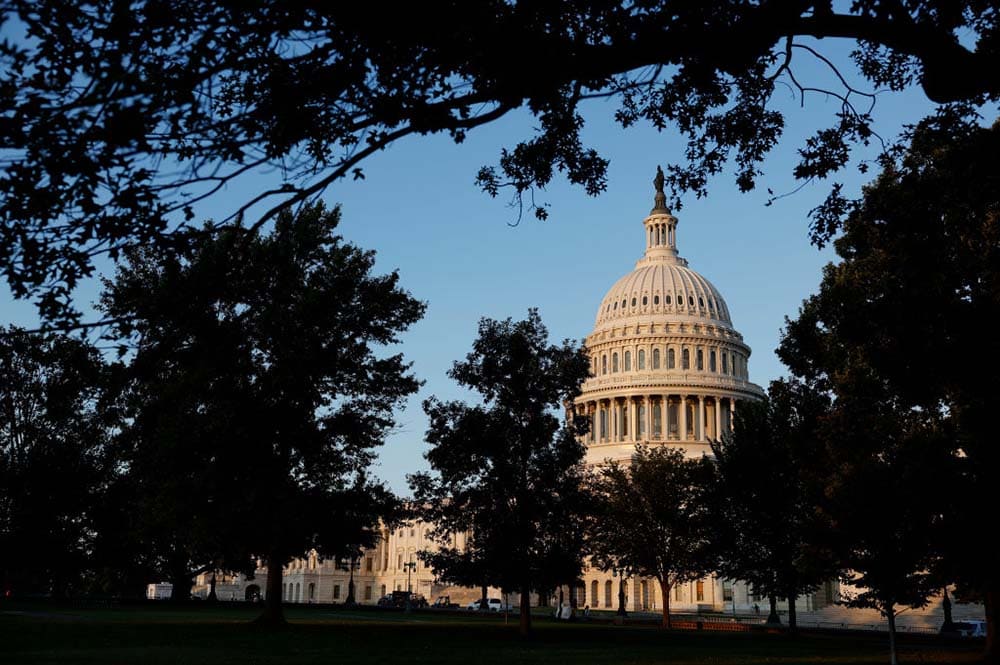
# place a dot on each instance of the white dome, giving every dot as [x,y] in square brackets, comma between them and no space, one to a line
[663,287]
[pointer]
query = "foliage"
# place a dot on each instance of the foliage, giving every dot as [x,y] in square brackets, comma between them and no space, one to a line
[259,391]
[507,472]
[113,145]
[55,461]
[896,332]
[653,518]
[769,479]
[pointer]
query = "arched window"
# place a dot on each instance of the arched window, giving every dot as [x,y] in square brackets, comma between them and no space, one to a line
[607,594]
[656,420]
[667,301]
[701,302]
[628,361]
[656,300]
[711,361]
[699,587]
[614,362]
[691,301]
[685,359]
[671,359]
[641,359]
[593,593]
[700,360]
[633,302]
[656,359]
[725,363]
[645,301]
[581,595]
[604,364]
[623,302]
[641,425]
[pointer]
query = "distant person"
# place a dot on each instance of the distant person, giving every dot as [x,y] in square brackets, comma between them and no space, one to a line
[756,609]
[586,612]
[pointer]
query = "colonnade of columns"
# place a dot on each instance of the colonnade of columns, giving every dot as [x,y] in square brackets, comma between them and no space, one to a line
[658,417]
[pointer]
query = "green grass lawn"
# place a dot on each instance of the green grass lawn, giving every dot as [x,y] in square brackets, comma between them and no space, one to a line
[217,635]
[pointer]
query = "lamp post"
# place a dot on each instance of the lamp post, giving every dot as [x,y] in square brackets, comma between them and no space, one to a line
[350,565]
[621,594]
[410,566]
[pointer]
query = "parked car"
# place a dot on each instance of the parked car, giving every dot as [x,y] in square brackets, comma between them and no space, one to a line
[398,599]
[444,603]
[492,605]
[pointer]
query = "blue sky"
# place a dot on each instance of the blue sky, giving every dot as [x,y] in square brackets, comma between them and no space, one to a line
[419,208]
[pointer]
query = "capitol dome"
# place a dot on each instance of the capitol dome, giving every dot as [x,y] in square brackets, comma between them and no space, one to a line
[667,365]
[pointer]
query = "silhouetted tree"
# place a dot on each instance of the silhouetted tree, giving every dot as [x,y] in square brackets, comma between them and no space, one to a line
[54,460]
[506,471]
[260,391]
[770,474]
[170,101]
[653,518]
[900,318]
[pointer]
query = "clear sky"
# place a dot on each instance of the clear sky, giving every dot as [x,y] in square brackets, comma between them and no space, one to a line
[454,247]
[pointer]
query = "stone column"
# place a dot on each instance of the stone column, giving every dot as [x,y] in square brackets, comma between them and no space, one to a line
[699,431]
[718,418]
[684,419]
[732,414]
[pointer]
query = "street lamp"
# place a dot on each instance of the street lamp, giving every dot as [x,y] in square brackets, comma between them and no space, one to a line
[351,565]
[410,566]
[621,594]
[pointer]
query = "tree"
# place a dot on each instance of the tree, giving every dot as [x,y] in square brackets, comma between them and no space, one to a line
[769,478]
[653,518]
[55,461]
[902,316]
[505,472]
[172,101]
[261,391]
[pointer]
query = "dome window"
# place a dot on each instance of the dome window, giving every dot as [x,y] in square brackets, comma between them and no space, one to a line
[656,359]
[623,302]
[633,302]
[700,357]
[616,305]
[725,363]
[628,361]
[671,359]
[685,359]
[656,300]
[614,363]
[641,359]
[668,299]
[645,301]
[711,361]
[701,302]
[691,301]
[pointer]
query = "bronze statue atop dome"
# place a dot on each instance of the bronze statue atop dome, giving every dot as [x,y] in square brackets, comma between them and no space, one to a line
[660,202]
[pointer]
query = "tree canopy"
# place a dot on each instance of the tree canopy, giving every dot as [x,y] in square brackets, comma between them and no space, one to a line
[653,518]
[118,118]
[260,387]
[55,461]
[898,330]
[770,475]
[508,472]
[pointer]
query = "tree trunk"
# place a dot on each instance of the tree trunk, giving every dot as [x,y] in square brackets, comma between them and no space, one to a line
[524,625]
[180,578]
[483,605]
[665,594]
[991,603]
[793,623]
[274,613]
[772,617]
[890,614]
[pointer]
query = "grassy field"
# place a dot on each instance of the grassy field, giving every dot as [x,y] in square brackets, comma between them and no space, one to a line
[221,635]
